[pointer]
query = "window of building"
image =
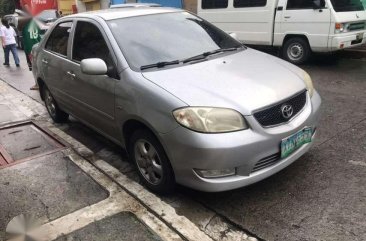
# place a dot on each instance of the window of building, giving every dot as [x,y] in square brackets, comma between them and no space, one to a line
[213,4]
[249,3]
[57,42]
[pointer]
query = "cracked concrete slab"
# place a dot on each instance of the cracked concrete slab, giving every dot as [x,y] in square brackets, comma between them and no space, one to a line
[47,187]
[111,228]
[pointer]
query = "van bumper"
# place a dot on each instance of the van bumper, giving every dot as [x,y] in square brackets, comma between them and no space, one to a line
[347,40]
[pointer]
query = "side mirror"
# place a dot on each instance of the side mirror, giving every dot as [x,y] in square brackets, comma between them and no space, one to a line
[234,36]
[93,66]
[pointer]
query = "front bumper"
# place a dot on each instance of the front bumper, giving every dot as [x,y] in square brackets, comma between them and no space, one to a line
[347,40]
[188,150]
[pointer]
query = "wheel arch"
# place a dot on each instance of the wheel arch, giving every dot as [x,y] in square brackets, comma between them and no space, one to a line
[290,36]
[132,125]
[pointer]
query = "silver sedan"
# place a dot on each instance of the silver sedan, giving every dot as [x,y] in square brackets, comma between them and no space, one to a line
[191,104]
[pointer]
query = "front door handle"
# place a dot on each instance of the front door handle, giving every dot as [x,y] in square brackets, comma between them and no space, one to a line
[71,74]
[44,61]
[287,16]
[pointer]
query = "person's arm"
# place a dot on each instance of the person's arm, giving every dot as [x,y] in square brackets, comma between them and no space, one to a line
[14,32]
[2,38]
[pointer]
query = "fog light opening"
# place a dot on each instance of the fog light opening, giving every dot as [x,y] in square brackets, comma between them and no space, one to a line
[215,173]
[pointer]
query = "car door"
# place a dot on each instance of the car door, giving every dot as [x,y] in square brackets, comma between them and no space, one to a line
[300,17]
[93,95]
[53,62]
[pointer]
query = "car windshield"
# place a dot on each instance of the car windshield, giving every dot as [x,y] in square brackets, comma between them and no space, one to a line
[150,39]
[347,5]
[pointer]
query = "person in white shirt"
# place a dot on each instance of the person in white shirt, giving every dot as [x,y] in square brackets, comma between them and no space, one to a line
[8,35]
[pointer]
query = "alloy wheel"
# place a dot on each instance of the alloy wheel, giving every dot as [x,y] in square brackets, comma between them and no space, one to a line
[148,162]
[50,104]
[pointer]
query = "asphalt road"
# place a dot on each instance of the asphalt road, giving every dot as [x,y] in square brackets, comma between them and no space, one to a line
[322,196]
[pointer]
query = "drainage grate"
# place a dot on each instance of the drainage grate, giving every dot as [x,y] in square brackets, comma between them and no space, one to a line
[25,141]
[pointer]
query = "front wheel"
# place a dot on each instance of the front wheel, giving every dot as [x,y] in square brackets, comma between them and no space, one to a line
[55,112]
[151,162]
[296,50]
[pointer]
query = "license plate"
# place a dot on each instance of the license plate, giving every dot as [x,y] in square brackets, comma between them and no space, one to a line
[295,141]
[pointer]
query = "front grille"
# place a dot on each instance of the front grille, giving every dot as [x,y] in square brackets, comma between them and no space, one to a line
[273,115]
[266,162]
[356,26]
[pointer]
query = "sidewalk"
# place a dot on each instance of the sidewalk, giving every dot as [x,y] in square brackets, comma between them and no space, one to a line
[42,178]
[48,182]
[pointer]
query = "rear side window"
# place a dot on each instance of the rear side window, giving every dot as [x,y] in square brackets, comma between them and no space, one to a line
[89,43]
[249,3]
[300,4]
[212,4]
[57,42]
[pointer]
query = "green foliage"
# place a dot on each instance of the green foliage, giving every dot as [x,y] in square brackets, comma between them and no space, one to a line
[7,7]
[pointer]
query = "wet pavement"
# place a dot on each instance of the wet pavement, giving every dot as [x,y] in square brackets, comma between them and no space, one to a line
[322,196]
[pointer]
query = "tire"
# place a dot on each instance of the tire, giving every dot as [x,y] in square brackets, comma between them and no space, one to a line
[151,162]
[296,50]
[53,110]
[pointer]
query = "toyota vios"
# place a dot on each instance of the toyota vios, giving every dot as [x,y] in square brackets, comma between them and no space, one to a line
[191,104]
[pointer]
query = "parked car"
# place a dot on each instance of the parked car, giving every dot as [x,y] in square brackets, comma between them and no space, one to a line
[298,27]
[191,104]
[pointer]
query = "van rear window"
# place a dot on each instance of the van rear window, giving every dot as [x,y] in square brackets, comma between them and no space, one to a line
[213,4]
[249,3]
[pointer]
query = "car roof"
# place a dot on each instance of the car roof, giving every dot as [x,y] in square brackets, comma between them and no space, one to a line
[116,13]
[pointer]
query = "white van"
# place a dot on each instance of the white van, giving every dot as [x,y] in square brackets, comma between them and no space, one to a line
[299,27]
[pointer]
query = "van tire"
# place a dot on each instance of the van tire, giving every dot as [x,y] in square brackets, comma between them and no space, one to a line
[296,50]
[163,181]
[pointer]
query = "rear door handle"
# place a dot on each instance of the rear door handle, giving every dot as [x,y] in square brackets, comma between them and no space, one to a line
[44,61]
[71,74]
[287,16]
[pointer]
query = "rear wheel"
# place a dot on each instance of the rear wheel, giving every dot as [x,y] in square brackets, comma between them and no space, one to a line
[55,112]
[296,50]
[151,162]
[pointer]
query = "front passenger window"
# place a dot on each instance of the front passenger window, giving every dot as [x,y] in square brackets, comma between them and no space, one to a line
[89,43]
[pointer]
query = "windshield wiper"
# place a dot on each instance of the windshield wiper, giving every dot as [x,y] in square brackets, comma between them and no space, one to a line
[159,64]
[205,54]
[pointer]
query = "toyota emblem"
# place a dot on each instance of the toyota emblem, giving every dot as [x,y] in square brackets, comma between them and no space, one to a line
[287,111]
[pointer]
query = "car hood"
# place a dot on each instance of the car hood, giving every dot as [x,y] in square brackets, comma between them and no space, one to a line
[245,81]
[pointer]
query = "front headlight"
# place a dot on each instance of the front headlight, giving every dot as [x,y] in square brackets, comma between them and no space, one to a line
[341,27]
[210,120]
[308,82]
